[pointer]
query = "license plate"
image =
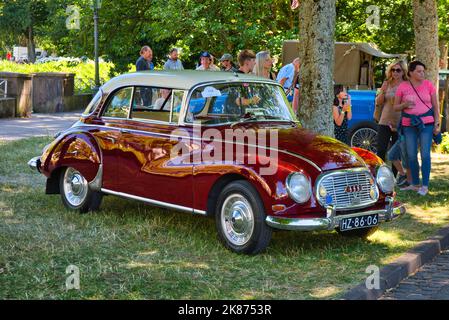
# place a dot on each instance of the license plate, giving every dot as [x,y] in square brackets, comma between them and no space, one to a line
[359,222]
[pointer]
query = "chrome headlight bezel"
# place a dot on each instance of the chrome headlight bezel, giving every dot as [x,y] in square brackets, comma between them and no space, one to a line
[385,179]
[305,193]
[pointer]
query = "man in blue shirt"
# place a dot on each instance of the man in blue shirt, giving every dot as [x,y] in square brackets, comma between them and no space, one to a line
[144,62]
[173,62]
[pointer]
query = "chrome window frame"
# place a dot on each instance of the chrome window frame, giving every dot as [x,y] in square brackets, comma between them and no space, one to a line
[129,117]
[109,99]
[150,121]
[237,80]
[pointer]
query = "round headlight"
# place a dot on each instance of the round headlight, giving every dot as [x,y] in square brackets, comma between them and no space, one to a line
[299,187]
[385,179]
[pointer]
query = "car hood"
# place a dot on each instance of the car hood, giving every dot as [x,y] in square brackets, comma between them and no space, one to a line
[326,152]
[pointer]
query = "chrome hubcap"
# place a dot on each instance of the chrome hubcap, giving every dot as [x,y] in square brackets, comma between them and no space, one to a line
[365,138]
[237,219]
[75,187]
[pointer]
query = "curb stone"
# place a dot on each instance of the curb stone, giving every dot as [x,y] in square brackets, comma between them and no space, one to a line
[407,264]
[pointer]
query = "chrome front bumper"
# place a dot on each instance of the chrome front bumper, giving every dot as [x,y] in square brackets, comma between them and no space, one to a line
[35,164]
[332,221]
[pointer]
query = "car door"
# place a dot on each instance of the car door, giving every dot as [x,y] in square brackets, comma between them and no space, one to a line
[147,167]
[111,121]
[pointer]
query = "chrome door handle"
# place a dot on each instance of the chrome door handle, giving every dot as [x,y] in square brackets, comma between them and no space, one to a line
[124,131]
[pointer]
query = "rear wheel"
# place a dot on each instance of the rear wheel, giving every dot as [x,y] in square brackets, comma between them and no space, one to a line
[76,193]
[365,136]
[240,219]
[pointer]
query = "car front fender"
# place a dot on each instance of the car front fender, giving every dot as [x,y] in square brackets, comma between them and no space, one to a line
[76,149]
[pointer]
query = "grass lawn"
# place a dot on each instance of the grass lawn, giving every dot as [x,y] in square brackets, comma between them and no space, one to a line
[130,250]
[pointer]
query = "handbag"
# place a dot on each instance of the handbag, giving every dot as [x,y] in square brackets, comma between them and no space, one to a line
[437,138]
[378,112]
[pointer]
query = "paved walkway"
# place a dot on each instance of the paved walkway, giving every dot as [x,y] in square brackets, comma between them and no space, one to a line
[37,125]
[431,282]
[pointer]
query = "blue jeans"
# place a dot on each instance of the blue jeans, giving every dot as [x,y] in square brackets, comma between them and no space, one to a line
[424,139]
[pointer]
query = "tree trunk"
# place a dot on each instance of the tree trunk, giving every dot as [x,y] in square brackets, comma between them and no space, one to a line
[316,54]
[443,54]
[31,45]
[425,22]
[444,92]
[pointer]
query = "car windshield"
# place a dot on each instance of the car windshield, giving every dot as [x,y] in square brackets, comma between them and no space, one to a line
[237,102]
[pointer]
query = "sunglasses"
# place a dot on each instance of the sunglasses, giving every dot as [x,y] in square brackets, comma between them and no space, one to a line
[396,70]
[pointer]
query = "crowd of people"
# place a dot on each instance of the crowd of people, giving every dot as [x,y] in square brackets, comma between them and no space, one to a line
[407,107]
[408,116]
[260,64]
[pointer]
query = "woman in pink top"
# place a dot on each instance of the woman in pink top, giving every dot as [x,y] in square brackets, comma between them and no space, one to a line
[418,102]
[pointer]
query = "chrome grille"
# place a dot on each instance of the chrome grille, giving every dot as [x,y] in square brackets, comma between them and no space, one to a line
[349,189]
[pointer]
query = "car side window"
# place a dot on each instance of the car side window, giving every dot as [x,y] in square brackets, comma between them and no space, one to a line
[156,104]
[118,106]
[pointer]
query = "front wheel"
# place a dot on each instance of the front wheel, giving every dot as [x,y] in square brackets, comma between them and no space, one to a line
[76,193]
[240,219]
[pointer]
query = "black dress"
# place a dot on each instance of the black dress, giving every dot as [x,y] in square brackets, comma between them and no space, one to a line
[341,132]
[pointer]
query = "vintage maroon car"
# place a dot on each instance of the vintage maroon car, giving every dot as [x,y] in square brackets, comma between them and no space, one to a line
[218,144]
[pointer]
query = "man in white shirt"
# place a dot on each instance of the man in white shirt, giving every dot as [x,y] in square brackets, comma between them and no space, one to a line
[206,63]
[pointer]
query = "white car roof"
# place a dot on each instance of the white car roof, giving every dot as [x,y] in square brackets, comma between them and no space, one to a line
[184,80]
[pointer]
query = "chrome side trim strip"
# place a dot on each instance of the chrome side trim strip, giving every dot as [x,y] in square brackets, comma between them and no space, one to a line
[200,139]
[155,202]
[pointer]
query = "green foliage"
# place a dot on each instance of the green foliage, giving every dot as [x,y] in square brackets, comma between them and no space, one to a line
[194,26]
[443,9]
[443,147]
[22,20]
[395,33]
[84,71]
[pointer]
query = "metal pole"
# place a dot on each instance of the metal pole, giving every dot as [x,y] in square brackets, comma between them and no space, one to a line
[97,72]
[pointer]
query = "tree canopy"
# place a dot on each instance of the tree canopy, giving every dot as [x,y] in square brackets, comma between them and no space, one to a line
[194,26]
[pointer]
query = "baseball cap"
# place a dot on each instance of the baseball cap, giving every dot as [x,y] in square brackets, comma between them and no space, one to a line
[226,56]
[205,54]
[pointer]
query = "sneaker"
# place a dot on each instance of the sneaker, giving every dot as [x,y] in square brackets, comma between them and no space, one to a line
[401,180]
[409,187]
[423,191]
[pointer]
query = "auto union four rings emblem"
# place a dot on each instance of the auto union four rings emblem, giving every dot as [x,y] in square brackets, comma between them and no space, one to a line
[354,193]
